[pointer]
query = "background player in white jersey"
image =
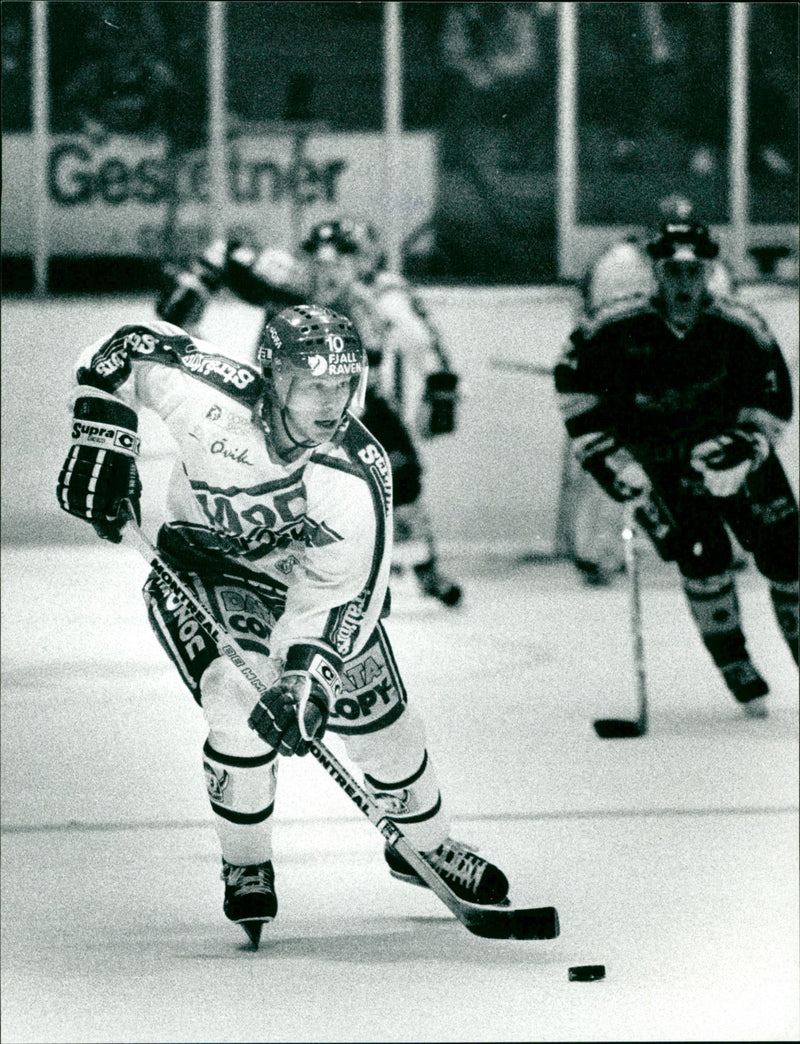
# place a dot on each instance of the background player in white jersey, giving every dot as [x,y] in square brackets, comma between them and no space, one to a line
[677,400]
[412,389]
[622,270]
[278,516]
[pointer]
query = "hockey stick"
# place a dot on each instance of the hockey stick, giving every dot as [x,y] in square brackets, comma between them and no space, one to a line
[521,367]
[491,922]
[620,728]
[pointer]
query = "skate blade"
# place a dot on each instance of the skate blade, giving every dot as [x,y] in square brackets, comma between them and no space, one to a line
[756,708]
[617,728]
[253,930]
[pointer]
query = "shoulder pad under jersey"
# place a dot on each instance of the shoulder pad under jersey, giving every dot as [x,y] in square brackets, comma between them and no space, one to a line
[168,345]
[385,282]
[616,311]
[372,460]
[742,315]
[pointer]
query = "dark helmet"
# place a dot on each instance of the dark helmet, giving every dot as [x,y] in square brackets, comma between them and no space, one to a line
[339,234]
[683,240]
[308,339]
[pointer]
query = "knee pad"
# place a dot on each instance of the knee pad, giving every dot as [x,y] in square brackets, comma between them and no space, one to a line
[400,776]
[227,699]
[391,753]
[713,602]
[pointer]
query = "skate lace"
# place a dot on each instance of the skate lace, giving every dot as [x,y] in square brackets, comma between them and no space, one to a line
[460,863]
[246,880]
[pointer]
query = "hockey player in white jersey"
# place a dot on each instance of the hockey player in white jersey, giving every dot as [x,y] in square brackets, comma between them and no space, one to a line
[412,390]
[279,517]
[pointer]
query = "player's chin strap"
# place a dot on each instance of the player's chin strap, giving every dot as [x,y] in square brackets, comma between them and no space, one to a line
[494,922]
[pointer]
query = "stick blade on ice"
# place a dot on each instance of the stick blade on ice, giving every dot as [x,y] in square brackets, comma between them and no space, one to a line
[618,728]
[539,922]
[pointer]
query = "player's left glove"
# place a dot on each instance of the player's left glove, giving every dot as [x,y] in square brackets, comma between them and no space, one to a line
[295,711]
[725,461]
[440,398]
[618,472]
[99,475]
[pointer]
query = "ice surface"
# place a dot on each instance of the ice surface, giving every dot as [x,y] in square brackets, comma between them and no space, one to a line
[672,858]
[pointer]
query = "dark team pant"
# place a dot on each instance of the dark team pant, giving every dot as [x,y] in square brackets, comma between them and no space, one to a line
[762,515]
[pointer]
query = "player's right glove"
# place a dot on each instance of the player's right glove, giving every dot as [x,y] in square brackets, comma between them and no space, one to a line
[185,293]
[100,474]
[440,397]
[295,711]
[724,462]
[618,472]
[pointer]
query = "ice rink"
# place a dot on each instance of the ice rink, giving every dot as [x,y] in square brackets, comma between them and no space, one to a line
[671,858]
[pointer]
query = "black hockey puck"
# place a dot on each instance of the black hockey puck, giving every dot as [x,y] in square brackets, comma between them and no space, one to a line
[587,972]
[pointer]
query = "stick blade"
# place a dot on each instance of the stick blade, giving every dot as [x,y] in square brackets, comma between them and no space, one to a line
[492,922]
[618,728]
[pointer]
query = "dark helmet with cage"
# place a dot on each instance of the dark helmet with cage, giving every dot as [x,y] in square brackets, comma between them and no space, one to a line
[682,239]
[356,238]
[338,234]
[309,340]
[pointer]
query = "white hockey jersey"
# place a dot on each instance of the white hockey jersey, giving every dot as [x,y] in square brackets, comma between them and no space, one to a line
[319,527]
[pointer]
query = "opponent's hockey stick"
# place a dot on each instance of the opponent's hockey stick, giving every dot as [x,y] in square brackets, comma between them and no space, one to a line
[491,922]
[620,728]
[513,366]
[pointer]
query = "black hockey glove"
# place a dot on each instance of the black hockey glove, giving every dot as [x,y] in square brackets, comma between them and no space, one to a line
[100,472]
[440,398]
[295,711]
[185,293]
[724,462]
[619,473]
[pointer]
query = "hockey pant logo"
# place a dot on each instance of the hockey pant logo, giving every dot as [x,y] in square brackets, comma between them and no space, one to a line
[246,611]
[373,693]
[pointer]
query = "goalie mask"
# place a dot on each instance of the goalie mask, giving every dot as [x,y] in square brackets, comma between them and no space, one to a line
[307,346]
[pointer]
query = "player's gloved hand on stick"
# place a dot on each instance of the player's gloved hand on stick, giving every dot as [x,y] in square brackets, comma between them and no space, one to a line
[100,475]
[441,396]
[725,461]
[619,473]
[295,711]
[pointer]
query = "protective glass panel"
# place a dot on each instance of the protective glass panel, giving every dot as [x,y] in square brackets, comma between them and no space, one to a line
[653,110]
[482,77]
[773,113]
[16,35]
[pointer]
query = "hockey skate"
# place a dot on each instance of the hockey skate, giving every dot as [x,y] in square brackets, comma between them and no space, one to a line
[473,879]
[748,687]
[434,585]
[250,898]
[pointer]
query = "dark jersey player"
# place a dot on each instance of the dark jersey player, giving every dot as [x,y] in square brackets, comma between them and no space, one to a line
[677,399]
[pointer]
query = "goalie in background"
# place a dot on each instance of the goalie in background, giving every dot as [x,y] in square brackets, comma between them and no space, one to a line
[412,391]
[624,269]
[678,399]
